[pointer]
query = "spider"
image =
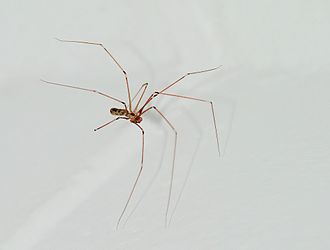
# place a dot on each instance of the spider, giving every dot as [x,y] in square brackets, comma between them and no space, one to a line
[134,114]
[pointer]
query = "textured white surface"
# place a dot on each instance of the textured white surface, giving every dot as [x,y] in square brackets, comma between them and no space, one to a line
[62,186]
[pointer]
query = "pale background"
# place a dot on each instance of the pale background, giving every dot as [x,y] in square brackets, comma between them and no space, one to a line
[62,186]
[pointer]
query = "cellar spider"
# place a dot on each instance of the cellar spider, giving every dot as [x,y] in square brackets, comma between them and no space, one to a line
[135,113]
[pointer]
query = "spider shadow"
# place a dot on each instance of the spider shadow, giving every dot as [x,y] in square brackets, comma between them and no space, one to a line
[185,112]
[150,184]
[142,58]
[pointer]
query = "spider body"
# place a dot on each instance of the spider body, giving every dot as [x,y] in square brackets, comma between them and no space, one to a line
[134,117]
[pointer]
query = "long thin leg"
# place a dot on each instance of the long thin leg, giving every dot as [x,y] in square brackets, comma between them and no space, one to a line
[144,87]
[137,178]
[106,124]
[200,100]
[173,160]
[89,90]
[116,62]
[152,96]
[189,73]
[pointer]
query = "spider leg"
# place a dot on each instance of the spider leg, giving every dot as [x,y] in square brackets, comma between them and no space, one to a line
[144,87]
[106,124]
[173,160]
[84,89]
[115,61]
[187,74]
[137,178]
[200,100]
[152,96]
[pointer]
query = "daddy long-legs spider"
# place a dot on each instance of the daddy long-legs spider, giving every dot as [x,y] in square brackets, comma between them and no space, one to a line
[134,114]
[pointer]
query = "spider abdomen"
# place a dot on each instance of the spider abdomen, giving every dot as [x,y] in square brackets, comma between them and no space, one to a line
[118,112]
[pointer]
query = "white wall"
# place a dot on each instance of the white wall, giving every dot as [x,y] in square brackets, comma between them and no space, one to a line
[62,186]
